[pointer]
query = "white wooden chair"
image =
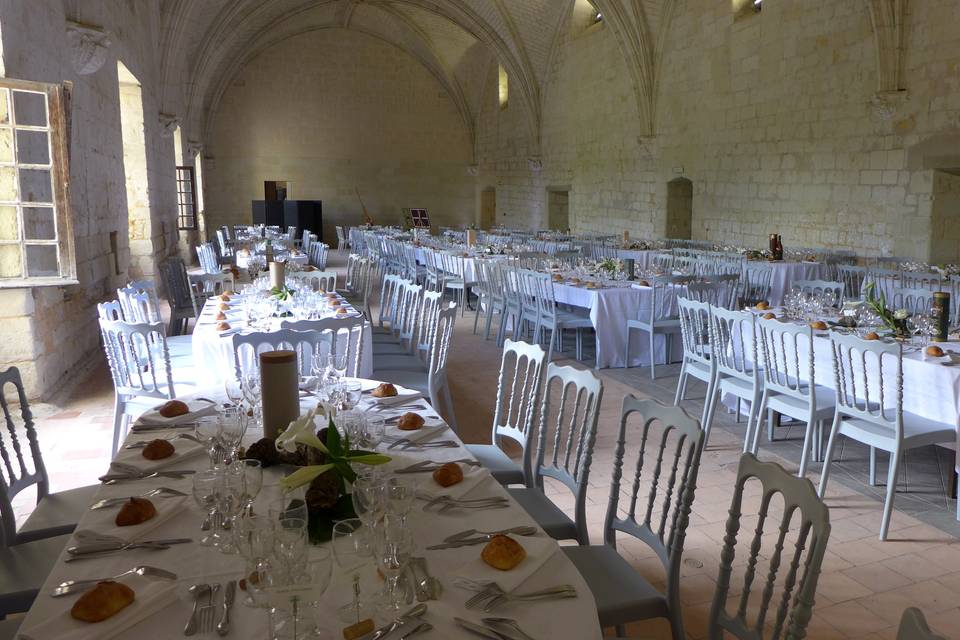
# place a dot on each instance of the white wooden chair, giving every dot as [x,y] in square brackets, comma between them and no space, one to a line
[401,338]
[431,380]
[695,333]
[317,280]
[921,280]
[140,367]
[868,377]
[205,285]
[341,336]
[247,348]
[518,396]
[318,254]
[733,345]
[913,626]
[208,258]
[755,284]
[55,514]
[426,325]
[551,318]
[659,318]
[915,300]
[148,301]
[390,289]
[792,574]
[571,402]
[852,278]
[819,287]
[661,459]
[343,245]
[789,385]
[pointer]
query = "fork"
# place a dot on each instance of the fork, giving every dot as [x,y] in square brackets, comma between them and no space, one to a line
[496,595]
[69,586]
[208,611]
[109,502]
[140,444]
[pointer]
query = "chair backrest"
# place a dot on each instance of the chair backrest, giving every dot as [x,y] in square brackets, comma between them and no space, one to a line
[852,277]
[442,334]
[868,378]
[140,296]
[663,297]
[796,588]
[788,359]
[913,626]
[695,329]
[915,300]
[709,292]
[175,279]
[755,284]
[409,300]
[247,348]
[111,310]
[427,322]
[389,292]
[819,287]
[339,335]
[138,357]
[921,280]
[568,421]
[208,258]
[885,279]
[16,473]
[518,394]
[733,343]
[663,459]
[317,252]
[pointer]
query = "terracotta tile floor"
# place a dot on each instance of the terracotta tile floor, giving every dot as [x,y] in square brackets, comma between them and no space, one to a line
[865,583]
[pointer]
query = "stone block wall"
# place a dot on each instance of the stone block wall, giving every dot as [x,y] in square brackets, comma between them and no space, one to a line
[774,116]
[51,333]
[330,111]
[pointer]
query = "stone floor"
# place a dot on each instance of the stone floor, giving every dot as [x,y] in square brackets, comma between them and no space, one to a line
[865,584]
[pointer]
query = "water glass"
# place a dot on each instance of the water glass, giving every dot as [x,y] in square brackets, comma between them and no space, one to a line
[368,501]
[206,493]
[400,496]
[290,546]
[394,548]
[252,471]
[375,429]
[352,391]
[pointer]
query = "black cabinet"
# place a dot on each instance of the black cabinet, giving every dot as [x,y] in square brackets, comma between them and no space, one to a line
[302,214]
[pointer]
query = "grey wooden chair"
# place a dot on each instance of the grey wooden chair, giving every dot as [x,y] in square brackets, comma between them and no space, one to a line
[574,414]
[55,514]
[663,457]
[792,575]
[518,395]
[913,626]
[179,295]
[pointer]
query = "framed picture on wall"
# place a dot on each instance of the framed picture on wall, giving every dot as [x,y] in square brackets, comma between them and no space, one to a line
[419,219]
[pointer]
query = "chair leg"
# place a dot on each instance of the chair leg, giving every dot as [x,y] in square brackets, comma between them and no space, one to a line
[752,423]
[809,446]
[828,454]
[119,413]
[653,357]
[873,467]
[579,345]
[755,436]
[770,424]
[626,352]
[450,412]
[681,382]
[711,408]
[891,490]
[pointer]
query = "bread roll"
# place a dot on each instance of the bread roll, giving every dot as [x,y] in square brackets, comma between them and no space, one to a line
[934,351]
[503,553]
[136,511]
[769,315]
[220,316]
[158,449]
[448,475]
[343,310]
[223,326]
[385,390]
[410,421]
[763,305]
[173,408]
[224,306]
[335,303]
[872,335]
[818,325]
[105,600]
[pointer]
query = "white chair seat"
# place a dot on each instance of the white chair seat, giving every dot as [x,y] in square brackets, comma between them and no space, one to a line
[58,513]
[917,431]
[25,568]
[665,325]
[501,466]
[395,362]
[799,409]
[548,515]
[736,386]
[699,370]
[569,320]
[621,593]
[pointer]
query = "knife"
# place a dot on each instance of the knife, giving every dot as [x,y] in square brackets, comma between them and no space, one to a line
[80,550]
[177,475]
[478,629]
[390,627]
[223,627]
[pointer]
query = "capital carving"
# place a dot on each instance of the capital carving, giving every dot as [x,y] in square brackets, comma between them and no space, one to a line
[88,47]
[535,164]
[168,124]
[884,104]
[473,170]
[193,148]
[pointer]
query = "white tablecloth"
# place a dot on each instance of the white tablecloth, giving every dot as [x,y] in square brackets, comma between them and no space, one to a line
[243,260]
[609,311]
[573,619]
[641,257]
[213,354]
[785,273]
[470,271]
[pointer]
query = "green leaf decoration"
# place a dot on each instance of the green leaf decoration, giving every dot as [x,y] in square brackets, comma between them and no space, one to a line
[321,521]
[304,475]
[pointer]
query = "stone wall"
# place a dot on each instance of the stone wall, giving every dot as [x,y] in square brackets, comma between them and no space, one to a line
[51,332]
[333,110]
[774,116]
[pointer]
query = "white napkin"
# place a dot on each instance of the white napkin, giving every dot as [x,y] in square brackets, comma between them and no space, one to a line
[431,427]
[472,478]
[403,395]
[538,549]
[152,596]
[198,409]
[103,521]
[184,449]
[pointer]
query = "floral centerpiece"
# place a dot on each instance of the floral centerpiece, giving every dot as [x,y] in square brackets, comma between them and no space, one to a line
[638,245]
[610,266]
[325,462]
[896,321]
[282,294]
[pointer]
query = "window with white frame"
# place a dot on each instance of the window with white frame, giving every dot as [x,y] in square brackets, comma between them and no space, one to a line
[36,234]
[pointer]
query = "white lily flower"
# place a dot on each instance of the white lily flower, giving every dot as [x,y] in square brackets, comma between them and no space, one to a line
[901,314]
[302,430]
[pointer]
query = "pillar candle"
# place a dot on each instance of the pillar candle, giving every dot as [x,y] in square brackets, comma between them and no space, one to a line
[277,275]
[471,237]
[280,388]
[625,239]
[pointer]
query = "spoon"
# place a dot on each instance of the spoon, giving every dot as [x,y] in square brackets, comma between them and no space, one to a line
[520,531]
[495,623]
[420,628]
[197,591]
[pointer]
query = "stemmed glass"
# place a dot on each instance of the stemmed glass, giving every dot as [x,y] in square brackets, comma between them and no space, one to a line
[394,547]
[400,496]
[368,499]
[252,471]
[206,493]
[253,535]
[290,546]
[351,391]
[374,431]
[233,426]
[230,502]
[234,390]
[208,432]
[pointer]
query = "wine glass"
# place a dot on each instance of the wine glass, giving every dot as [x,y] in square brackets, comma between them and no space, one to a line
[290,546]
[375,429]
[208,432]
[234,390]
[230,502]
[394,548]
[400,496]
[252,471]
[368,500]
[319,573]
[351,391]
[206,490]
[253,536]
[233,426]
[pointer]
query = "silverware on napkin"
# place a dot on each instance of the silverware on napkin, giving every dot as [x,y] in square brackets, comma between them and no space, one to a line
[223,627]
[392,626]
[112,502]
[72,586]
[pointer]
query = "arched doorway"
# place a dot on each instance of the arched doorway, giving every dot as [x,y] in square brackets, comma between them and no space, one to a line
[679,209]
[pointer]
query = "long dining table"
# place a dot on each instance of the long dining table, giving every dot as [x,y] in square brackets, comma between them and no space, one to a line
[165,606]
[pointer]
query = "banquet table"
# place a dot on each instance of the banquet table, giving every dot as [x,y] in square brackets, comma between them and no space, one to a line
[164,613]
[213,351]
[786,273]
[610,308]
[243,259]
[641,257]
[471,272]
